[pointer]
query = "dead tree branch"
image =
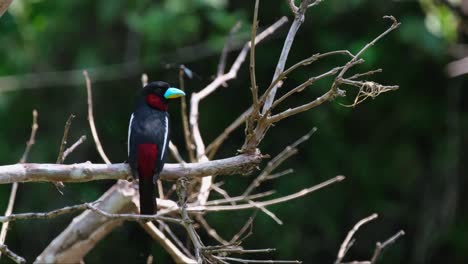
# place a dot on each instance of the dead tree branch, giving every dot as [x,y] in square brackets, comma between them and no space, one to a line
[12,255]
[72,148]
[14,187]
[83,172]
[4,4]
[89,228]
[349,241]
[92,125]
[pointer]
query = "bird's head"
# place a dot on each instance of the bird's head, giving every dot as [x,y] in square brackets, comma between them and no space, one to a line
[157,94]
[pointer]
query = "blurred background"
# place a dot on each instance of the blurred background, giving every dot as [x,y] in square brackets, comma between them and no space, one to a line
[401,153]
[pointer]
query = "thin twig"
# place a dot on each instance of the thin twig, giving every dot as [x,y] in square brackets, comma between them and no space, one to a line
[14,187]
[186,221]
[32,137]
[4,4]
[245,227]
[91,120]
[240,198]
[213,147]
[213,86]
[63,143]
[72,148]
[298,20]
[83,172]
[179,243]
[12,255]
[379,247]
[267,212]
[226,48]
[259,261]
[268,202]
[90,206]
[278,174]
[189,145]
[278,160]
[175,152]
[304,62]
[292,6]
[133,217]
[304,85]
[211,231]
[253,81]
[166,243]
[45,215]
[346,242]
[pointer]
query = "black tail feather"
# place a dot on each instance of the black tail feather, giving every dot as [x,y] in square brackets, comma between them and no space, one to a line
[147,196]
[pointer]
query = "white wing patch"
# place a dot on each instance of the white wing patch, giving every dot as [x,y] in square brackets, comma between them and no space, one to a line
[129,132]
[166,131]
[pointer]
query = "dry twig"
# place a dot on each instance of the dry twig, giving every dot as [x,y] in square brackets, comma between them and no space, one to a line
[72,148]
[4,4]
[347,241]
[14,187]
[12,255]
[91,120]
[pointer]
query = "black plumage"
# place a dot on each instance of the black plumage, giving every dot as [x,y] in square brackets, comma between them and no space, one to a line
[148,139]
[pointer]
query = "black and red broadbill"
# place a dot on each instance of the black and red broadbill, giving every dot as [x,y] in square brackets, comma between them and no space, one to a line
[148,139]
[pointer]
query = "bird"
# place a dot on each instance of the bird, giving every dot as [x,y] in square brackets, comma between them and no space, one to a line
[148,139]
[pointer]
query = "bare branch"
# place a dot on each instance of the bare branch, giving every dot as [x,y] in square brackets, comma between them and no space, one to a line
[82,172]
[63,143]
[304,85]
[4,4]
[278,174]
[359,75]
[247,226]
[253,81]
[12,255]
[269,202]
[32,137]
[304,62]
[170,248]
[186,221]
[72,148]
[346,242]
[179,243]
[211,231]
[289,112]
[226,48]
[189,145]
[258,261]
[46,215]
[14,187]
[87,229]
[91,120]
[298,20]
[292,6]
[267,212]
[379,247]
[278,160]
[175,152]
[133,217]
[316,2]
[197,97]
[240,198]
[214,146]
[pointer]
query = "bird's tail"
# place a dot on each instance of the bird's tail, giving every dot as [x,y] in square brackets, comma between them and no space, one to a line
[147,196]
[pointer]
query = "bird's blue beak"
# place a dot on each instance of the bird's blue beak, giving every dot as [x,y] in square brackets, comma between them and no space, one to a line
[172,93]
